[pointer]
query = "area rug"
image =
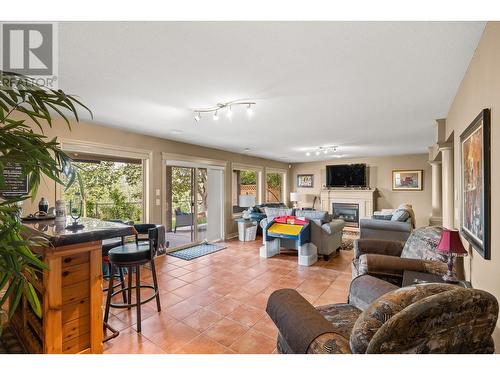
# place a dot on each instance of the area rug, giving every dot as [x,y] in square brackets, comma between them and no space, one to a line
[197,251]
[348,238]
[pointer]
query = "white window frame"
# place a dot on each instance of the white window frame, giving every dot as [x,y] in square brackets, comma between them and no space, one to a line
[247,167]
[93,148]
[284,186]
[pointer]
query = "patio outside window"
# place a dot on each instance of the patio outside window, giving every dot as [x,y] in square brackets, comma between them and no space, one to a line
[245,182]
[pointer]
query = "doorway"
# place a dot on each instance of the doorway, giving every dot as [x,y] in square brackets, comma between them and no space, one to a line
[194,204]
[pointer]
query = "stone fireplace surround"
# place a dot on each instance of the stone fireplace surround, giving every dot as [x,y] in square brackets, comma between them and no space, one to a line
[364,198]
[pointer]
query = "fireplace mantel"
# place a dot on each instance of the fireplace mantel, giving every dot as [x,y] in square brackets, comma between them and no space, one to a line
[365,198]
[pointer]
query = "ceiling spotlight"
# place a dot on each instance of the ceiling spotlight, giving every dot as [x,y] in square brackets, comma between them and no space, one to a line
[317,153]
[325,151]
[249,110]
[197,116]
[334,149]
[308,153]
[216,116]
[246,149]
[229,112]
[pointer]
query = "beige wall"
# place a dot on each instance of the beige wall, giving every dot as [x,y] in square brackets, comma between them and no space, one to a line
[108,136]
[380,177]
[480,89]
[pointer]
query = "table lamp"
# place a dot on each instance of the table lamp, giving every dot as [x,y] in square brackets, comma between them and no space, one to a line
[451,245]
[247,201]
[294,198]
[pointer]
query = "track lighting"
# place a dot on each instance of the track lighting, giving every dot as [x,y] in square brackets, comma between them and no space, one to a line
[323,150]
[229,109]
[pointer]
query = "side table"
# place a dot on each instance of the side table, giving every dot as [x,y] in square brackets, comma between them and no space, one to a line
[245,226]
[412,277]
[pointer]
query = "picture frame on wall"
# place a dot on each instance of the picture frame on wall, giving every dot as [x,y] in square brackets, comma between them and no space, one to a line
[407,180]
[475,183]
[305,180]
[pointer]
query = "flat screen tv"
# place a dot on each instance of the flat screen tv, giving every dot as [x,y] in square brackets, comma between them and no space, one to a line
[346,175]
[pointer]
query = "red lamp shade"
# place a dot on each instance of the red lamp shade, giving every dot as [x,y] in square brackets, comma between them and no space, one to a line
[451,243]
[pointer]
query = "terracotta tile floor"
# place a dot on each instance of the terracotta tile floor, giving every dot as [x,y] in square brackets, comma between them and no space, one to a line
[216,303]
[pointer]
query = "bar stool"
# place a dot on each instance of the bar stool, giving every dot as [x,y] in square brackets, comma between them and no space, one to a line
[133,256]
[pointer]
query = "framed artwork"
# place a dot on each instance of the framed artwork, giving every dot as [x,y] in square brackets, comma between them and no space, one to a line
[475,184]
[408,180]
[305,180]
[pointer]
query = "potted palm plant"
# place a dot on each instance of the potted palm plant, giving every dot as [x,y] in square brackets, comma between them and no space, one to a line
[25,109]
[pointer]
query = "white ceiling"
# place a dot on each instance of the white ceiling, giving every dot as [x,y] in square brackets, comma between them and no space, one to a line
[370,88]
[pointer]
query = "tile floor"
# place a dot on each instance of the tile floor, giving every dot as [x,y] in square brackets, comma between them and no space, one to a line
[216,303]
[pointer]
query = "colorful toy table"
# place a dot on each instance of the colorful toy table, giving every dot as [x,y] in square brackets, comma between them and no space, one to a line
[290,233]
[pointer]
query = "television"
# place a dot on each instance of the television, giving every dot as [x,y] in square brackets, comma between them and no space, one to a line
[346,175]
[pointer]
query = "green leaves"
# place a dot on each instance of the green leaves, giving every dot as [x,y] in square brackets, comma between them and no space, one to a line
[22,100]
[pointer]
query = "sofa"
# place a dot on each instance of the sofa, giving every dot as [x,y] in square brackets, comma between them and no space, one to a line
[419,319]
[396,225]
[326,234]
[389,259]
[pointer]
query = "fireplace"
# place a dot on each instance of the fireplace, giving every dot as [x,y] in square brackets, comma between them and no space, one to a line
[349,212]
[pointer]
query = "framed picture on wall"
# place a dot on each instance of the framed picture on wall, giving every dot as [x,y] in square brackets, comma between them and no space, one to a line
[305,180]
[408,180]
[475,183]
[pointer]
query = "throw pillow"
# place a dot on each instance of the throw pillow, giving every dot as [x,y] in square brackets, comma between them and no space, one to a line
[271,213]
[321,216]
[400,214]
[422,244]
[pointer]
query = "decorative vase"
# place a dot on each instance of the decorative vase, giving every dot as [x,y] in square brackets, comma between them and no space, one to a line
[43,205]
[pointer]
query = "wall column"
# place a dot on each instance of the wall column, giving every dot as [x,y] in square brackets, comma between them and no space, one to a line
[448,186]
[437,192]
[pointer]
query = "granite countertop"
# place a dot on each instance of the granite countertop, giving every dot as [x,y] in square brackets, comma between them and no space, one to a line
[93,230]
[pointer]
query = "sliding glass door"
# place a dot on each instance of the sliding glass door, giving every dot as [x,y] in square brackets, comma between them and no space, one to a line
[194,204]
[180,212]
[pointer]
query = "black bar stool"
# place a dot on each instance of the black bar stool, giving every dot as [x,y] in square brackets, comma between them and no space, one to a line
[133,256]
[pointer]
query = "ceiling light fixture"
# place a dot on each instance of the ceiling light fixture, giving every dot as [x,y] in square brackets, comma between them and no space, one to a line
[249,110]
[228,107]
[325,150]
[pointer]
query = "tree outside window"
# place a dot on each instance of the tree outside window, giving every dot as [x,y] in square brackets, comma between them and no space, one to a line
[244,183]
[274,187]
[113,190]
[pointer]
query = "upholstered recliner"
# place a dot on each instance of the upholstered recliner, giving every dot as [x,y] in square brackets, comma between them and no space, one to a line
[389,259]
[326,234]
[423,318]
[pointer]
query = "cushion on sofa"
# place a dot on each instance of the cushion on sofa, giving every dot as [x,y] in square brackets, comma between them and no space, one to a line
[422,244]
[401,214]
[272,212]
[320,217]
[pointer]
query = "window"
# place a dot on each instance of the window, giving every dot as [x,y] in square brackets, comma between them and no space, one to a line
[244,182]
[113,187]
[275,187]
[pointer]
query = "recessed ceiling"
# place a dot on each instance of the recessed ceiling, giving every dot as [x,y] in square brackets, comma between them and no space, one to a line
[370,88]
